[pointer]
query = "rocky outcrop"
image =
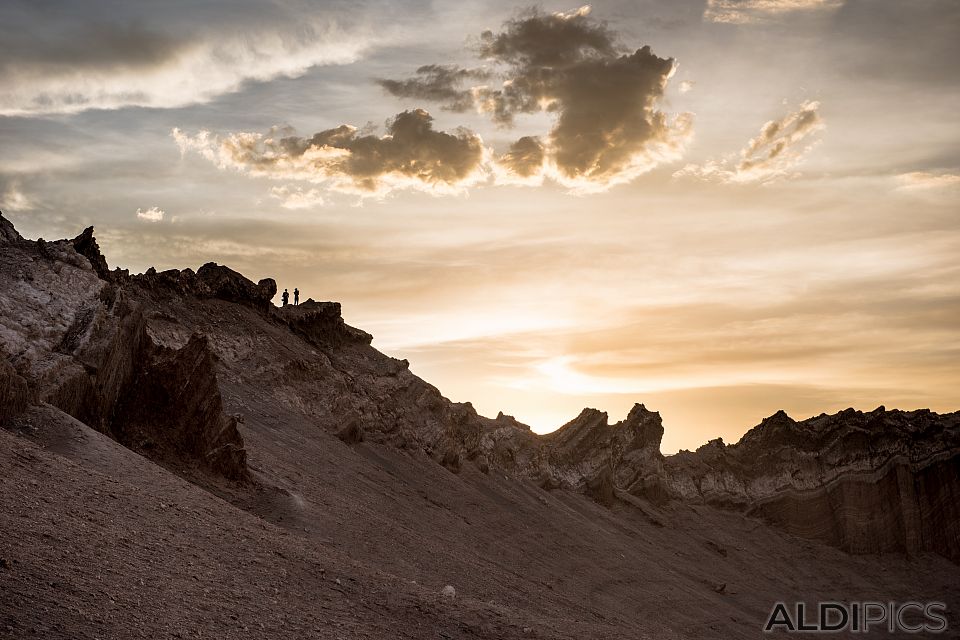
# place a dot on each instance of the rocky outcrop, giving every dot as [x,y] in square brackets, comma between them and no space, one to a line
[174,412]
[77,340]
[8,234]
[210,281]
[322,324]
[86,245]
[217,281]
[590,453]
[104,347]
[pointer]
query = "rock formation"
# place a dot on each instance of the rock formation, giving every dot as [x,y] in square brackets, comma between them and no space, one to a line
[211,281]
[78,341]
[86,245]
[173,409]
[8,234]
[152,359]
[322,324]
[870,482]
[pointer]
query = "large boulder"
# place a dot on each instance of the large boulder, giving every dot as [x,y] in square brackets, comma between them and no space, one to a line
[222,282]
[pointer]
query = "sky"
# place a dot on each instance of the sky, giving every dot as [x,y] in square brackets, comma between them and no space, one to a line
[717,208]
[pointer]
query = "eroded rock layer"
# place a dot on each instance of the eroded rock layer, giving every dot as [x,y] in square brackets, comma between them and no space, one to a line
[867,482]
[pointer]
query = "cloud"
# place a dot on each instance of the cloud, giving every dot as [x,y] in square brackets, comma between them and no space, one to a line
[296,197]
[779,146]
[607,128]
[412,154]
[14,199]
[927,180]
[536,39]
[686,86]
[439,83]
[111,66]
[753,11]
[523,161]
[779,137]
[153,214]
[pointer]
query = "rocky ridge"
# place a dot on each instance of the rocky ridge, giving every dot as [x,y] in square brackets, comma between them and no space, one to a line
[152,360]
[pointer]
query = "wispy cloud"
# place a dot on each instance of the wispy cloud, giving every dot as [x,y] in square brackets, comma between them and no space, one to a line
[779,146]
[114,66]
[753,11]
[927,180]
[439,83]
[292,197]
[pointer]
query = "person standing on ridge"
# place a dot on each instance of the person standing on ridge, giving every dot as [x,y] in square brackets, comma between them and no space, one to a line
[296,296]
[285,297]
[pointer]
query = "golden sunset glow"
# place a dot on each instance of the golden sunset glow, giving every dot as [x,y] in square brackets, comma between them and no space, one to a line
[718,208]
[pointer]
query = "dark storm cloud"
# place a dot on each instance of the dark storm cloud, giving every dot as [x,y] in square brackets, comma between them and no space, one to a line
[412,154]
[604,96]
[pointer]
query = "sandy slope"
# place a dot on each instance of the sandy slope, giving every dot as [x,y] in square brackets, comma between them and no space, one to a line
[101,543]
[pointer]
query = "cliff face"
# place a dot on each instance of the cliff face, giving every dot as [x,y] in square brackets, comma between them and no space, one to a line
[169,363]
[75,338]
[870,482]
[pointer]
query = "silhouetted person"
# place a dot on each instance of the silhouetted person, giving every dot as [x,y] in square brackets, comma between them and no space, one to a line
[285,297]
[296,296]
